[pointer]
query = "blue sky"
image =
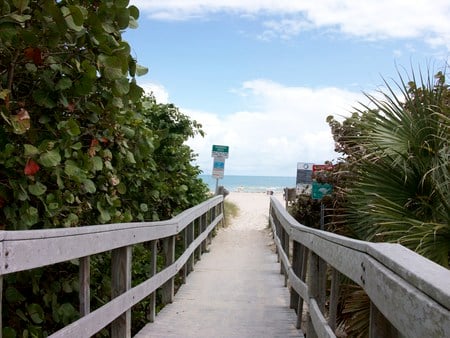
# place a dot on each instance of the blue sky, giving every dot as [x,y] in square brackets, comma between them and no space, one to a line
[262,76]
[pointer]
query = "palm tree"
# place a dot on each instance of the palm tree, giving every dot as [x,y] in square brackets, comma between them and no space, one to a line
[393,183]
[402,190]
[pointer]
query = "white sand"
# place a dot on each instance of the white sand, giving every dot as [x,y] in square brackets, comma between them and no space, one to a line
[253,210]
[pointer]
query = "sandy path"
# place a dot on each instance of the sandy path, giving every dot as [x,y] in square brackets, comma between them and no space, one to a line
[236,289]
[253,210]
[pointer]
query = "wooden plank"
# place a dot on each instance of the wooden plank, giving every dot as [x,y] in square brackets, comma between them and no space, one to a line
[1,304]
[168,252]
[190,239]
[121,283]
[85,289]
[379,325]
[35,248]
[153,269]
[313,288]
[297,269]
[334,298]
[321,328]
[29,254]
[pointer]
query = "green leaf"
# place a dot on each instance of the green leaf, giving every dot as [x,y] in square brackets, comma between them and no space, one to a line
[30,150]
[72,17]
[130,157]
[9,332]
[97,163]
[70,221]
[36,313]
[122,3]
[64,83]
[104,214]
[71,168]
[77,146]
[143,207]
[13,295]
[37,189]
[50,158]
[121,188]
[19,18]
[73,128]
[141,70]
[121,86]
[69,197]
[89,186]
[21,5]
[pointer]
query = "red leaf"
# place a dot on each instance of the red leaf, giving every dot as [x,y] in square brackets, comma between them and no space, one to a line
[93,148]
[34,54]
[31,168]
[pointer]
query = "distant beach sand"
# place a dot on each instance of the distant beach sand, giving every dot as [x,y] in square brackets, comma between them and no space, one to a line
[253,209]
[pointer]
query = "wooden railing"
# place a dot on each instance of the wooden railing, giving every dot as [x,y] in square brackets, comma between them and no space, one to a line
[24,250]
[409,295]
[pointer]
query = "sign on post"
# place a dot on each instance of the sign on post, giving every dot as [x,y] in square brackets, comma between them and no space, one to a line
[219,151]
[304,173]
[218,167]
[319,190]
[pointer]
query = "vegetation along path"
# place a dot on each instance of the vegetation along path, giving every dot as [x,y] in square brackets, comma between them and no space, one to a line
[236,289]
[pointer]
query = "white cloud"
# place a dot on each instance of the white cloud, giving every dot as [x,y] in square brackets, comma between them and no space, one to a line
[424,19]
[289,126]
[159,92]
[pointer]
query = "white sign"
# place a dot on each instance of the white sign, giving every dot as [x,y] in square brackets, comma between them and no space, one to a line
[218,167]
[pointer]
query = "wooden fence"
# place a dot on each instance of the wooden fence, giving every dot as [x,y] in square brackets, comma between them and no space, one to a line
[24,250]
[409,295]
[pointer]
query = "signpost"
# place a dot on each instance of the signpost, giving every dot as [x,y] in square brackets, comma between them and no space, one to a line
[219,153]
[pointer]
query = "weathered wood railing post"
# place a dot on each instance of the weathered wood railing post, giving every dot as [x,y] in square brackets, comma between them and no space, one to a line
[203,222]
[313,288]
[297,269]
[153,269]
[334,298]
[1,303]
[198,231]
[379,325]
[190,235]
[84,292]
[286,249]
[167,290]
[120,283]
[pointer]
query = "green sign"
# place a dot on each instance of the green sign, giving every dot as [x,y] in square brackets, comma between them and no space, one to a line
[219,151]
[321,189]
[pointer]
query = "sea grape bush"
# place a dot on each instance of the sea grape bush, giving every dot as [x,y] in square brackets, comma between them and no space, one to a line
[80,143]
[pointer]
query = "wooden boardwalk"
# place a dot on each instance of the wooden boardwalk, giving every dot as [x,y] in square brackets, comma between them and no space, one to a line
[236,290]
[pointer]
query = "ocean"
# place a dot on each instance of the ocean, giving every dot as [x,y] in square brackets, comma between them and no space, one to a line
[251,183]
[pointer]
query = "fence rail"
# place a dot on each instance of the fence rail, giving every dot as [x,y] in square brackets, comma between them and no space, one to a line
[24,250]
[409,295]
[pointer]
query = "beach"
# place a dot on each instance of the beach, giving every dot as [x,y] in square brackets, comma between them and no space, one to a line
[253,209]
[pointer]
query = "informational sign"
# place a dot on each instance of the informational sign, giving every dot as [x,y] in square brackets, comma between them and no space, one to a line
[304,173]
[219,151]
[319,190]
[218,167]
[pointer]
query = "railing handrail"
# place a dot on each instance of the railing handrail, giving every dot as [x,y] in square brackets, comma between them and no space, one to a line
[29,249]
[412,292]
[22,249]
